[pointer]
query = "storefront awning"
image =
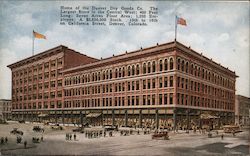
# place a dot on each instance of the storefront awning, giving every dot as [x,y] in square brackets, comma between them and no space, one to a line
[42,115]
[93,115]
[208,116]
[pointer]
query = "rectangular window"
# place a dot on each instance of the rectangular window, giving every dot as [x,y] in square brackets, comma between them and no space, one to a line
[144,84]
[165,81]
[160,99]
[171,98]
[149,84]
[165,99]
[160,82]
[171,81]
[153,83]
[137,85]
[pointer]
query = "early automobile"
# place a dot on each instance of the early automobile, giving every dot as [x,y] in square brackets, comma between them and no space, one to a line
[38,129]
[15,131]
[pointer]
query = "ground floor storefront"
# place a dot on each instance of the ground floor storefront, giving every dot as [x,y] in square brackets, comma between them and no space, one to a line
[167,118]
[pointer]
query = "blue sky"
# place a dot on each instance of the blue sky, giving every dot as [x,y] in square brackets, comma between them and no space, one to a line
[219,30]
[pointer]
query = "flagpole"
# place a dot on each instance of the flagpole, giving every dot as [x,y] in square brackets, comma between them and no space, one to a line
[33,39]
[175,38]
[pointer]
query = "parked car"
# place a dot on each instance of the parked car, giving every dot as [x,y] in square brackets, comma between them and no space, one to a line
[57,127]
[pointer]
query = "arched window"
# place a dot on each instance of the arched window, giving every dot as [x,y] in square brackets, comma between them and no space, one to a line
[187,67]
[153,66]
[129,70]
[160,65]
[192,69]
[144,68]
[179,64]
[171,64]
[103,75]
[202,73]
[110,74]
[93,77]
[107,74]
[99,75]
[137,69]
[149,67]
[116,73]
[120,72]
[123,71]
[165,64]
[133,69]
[182,65]
[195,70]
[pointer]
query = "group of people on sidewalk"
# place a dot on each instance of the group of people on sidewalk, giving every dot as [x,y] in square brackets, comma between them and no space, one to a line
[69,136]
[4,140]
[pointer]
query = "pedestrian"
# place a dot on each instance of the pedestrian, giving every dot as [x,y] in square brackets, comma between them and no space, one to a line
[74,136]
[42,138]
[222,136]
[70,136]
[104,134]
[234,133]
[2,140]
[25,144]
[6,140]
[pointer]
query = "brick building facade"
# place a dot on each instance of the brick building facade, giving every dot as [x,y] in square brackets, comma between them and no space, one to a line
[37,81]
[5,109]
[242,110]
[168,85]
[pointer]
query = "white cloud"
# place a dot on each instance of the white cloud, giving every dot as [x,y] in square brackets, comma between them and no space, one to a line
[25,20]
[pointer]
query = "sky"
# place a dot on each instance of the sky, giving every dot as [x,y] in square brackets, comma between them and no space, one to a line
[219,30]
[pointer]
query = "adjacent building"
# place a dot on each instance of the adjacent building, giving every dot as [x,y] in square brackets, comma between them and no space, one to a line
[37,81]
[168,85]
[5,109]
[242,110]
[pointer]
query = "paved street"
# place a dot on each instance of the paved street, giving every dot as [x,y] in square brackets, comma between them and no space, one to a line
[180,143]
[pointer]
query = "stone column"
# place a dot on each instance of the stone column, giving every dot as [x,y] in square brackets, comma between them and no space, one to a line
[140,118]
[188,119]
[126,118]
[56,116]
[113,117]
[157,118]
[174,118]
[63,117]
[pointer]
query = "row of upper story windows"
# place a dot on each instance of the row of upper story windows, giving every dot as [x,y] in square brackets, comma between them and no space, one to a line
[200,87]
[136,100]
[38,68]
[203,73]
[40,86]
[39,96]
[35,78]
[161,82]
[129,70]
[184,99]
[38,105]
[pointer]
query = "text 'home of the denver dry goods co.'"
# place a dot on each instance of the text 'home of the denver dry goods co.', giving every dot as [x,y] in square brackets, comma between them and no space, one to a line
[108,16]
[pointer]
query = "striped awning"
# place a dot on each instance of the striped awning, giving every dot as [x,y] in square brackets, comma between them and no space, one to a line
[93,115]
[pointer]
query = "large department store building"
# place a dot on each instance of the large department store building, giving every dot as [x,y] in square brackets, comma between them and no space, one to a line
[168,85]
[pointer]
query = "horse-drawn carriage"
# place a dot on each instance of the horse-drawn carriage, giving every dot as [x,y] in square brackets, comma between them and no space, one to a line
[38,129]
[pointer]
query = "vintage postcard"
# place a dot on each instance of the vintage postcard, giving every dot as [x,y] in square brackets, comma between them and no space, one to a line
[124,78]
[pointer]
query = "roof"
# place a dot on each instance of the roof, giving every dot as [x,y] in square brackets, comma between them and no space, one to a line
[9,100]
[174,44]
[37,56]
